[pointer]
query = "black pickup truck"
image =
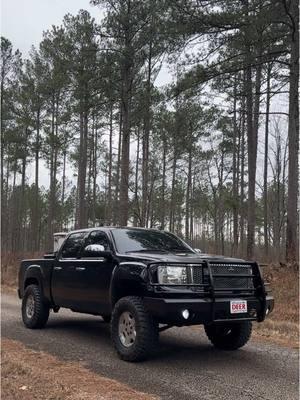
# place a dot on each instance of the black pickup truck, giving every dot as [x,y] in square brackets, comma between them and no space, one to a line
[144,281]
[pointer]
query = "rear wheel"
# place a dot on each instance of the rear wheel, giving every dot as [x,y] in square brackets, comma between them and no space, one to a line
[134,332]
[35,312]
[229,336]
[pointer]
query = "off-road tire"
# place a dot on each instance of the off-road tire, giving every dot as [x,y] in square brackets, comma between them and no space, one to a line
[229,336]
[40,309]
[146,330]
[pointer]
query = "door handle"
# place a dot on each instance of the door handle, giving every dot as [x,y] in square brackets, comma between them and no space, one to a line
[80,268]
[58,268]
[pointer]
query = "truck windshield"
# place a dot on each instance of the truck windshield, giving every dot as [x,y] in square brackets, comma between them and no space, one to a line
[138,240]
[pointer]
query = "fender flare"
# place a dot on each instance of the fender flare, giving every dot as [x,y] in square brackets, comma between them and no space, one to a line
[130,277]
[35,271]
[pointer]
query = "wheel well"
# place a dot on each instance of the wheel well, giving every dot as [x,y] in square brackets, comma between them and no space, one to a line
[125,288]
[31,281]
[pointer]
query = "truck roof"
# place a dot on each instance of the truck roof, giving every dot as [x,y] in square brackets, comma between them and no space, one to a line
[108,228]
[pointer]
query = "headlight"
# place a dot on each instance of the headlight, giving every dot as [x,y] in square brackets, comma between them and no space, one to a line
[172,275]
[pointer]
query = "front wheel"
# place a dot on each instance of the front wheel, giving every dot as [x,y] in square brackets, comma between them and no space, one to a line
[230,335]
[134,332]
[35,312]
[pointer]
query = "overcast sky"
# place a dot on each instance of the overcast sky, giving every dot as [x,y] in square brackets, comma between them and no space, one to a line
[23,21]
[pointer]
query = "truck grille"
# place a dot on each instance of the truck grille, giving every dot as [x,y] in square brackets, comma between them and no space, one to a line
[221,282]
[197,275]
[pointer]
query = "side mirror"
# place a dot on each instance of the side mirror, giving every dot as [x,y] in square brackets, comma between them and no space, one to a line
[96,250]
[198,251]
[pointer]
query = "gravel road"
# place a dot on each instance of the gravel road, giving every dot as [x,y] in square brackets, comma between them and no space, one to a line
[186,366]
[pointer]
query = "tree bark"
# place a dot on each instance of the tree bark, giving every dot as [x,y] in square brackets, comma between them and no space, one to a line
[293,137]
[136,216]
[35,222]
[145,166]
[235,172]
[81,220]
[163,184]
[117,191]
[52,185]
[174,167]
[109,192]
[188,194]
[126,114]
[266,161]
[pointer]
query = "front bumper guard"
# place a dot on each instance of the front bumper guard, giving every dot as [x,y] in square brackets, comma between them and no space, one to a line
[211,304]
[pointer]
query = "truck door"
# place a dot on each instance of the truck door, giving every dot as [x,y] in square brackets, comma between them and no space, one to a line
[65,272]
[82,282]
[95,276]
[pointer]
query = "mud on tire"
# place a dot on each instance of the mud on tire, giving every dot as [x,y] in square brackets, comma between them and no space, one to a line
[146,328]
[35,312]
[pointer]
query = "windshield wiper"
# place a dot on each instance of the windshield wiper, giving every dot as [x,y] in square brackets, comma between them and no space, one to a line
[147,251]
[177,250]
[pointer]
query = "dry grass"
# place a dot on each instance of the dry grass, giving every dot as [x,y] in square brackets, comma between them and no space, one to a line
[10,263]
[285,287]
[33,375]
[283,324]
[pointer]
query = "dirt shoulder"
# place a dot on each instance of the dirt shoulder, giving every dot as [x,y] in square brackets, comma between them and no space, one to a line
[283,333]
[282,326]
[31,375]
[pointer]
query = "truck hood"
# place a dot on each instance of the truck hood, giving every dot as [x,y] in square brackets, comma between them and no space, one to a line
[177,258]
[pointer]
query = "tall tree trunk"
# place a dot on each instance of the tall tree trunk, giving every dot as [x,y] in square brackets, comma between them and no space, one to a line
[145,164]
[235,172]
[293,137]
[252,129]
[109,191]
[242,186]
[163,184]
[136,216]
[95,169]
[81,220]
[172,205]
[188,194]
[252,159]
[89,185]
[277,176]
[4,210]
[117,190]
[51,199]
[266,160]
[126,114]
[124,185]
[36,213]
[192,209]
[63,189]
[251,164]
[21,237]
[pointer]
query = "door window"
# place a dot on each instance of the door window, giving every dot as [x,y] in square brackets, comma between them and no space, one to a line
[72,246]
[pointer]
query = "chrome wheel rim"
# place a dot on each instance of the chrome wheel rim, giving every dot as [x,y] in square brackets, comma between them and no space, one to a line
[30,306]
[127,331]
